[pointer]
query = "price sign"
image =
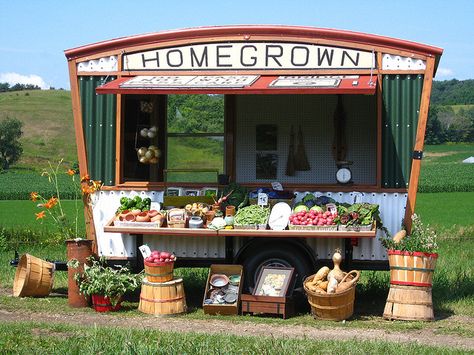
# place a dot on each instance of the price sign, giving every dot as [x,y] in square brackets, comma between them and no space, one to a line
[145,250]
[262,199]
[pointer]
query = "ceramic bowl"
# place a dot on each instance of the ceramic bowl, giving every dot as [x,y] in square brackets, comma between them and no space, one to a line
[234,279]
[129,218]
[219,280]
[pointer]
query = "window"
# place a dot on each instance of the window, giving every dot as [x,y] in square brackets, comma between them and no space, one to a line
[195,138]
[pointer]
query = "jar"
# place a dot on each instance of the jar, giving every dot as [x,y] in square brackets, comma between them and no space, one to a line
[209,217]
[195,222]
[230,210]
[229,220]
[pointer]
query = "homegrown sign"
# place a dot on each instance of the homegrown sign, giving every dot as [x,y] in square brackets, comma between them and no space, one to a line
[249,56]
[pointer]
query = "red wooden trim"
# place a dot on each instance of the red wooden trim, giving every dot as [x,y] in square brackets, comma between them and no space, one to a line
[247,31]
[406,283]
[366,86]
[412,253]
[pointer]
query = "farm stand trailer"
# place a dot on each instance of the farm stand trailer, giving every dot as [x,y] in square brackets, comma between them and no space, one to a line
[355,97]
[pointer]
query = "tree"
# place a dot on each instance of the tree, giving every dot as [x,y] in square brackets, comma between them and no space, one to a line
[435,133]
[10,147]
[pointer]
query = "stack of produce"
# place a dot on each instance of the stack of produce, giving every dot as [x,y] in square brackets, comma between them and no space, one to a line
[251,217]
[161,293]
[331,293]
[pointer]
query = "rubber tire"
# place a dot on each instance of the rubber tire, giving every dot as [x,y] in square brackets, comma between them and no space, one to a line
[260,255]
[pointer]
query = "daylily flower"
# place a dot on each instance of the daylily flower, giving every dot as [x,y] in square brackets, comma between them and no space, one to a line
[71,172]
[40,215]
[34,196]
[51,203]
[85,178]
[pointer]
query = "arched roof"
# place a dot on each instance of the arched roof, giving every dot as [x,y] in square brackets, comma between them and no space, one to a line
[247,31]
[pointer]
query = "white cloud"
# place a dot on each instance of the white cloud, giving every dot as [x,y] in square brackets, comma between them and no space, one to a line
[15,78]
[444,72]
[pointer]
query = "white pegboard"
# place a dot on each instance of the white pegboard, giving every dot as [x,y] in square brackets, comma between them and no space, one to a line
[98,65]
[314,113]
[396,62]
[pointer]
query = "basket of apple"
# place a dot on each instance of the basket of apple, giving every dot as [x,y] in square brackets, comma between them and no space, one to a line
[159,266]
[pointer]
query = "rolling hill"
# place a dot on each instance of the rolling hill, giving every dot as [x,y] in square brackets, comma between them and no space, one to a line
[48,129]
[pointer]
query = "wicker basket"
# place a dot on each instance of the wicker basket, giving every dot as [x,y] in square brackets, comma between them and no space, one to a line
[176,218]
[332,306]
[33,277]
[355,228]
[250,226]
[312,228]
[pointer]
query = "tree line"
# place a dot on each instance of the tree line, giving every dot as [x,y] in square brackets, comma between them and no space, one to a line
[448,124]
[5,87]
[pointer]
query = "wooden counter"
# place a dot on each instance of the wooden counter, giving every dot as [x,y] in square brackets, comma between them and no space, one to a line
[267,233]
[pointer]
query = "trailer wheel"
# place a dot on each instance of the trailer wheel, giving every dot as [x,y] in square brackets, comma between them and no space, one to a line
[278,255]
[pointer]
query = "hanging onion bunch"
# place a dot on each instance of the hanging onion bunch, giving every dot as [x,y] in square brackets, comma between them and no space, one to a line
[149,155]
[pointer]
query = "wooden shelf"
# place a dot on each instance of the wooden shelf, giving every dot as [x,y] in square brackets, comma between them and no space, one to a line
[201,232]
[295,233]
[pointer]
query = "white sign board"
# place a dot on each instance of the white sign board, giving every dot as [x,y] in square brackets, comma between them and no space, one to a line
[305,81]
[249,56]
[190,81]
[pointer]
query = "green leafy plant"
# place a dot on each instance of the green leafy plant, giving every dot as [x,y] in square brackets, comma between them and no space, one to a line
[100,279]
[422,239]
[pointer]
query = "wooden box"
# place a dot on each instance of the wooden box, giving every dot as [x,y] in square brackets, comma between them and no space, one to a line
[267,305]
[223,309]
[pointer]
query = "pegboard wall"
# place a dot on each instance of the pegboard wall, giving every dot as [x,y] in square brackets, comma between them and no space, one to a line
[314,113]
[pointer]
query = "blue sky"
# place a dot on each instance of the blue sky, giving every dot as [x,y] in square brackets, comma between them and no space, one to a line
[34,34]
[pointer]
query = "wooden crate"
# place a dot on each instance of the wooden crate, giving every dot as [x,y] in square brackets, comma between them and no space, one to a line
[267,305]
[223,309]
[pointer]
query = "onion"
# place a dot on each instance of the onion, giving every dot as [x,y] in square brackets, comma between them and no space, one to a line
[149,154]
[144,132]
[142,151]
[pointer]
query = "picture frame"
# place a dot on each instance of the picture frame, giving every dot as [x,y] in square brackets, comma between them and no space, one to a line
[274,282]
[192,192]
[174,191]
[209,191]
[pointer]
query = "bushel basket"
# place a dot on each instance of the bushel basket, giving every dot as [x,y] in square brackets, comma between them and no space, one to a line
[333,306]
[411,268]
[159,272]
[33,277]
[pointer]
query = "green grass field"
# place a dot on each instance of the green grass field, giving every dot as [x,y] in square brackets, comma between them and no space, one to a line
[47,125]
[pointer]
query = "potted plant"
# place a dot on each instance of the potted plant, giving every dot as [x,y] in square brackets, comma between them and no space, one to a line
[105,285]
[68,224]
[412,258]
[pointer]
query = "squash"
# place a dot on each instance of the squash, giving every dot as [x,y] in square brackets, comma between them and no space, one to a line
[399,236]
[332,285]
[336,273]
[320,275]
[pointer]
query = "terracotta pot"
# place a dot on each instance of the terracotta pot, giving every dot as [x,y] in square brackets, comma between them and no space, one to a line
[80,250]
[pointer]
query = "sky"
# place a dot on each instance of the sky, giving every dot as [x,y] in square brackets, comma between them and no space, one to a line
[35,33]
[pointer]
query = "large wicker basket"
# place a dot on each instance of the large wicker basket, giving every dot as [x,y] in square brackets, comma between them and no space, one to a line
[332,306]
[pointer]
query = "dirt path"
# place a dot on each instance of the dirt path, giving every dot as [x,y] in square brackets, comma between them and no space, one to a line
[423,337]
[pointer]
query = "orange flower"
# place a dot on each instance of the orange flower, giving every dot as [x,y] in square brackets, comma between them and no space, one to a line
[34,196]
[85,178]
[51,203]
[71,172]
[40,215]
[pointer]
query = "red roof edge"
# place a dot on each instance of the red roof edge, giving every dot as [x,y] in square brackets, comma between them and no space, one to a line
[249,30]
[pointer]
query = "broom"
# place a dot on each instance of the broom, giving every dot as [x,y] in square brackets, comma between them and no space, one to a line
[290,162]
[301,160]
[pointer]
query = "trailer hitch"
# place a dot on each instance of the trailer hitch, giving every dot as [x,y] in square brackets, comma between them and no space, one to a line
[58,265]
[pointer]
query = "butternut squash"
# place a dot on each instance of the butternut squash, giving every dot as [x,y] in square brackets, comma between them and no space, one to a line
[336,273]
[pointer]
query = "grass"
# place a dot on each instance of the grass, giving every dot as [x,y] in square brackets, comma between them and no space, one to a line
[45,339]
[442,169]
[18,214]
[47,125]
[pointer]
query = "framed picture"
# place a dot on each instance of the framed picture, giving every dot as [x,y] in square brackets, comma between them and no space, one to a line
[266,166]
[191,192]
[174,191]
[209,191]
[274,281]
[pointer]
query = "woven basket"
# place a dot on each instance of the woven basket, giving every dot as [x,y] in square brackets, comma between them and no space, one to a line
[332,306]
[411,268]
[33,277]
[173,213]
[312,228]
